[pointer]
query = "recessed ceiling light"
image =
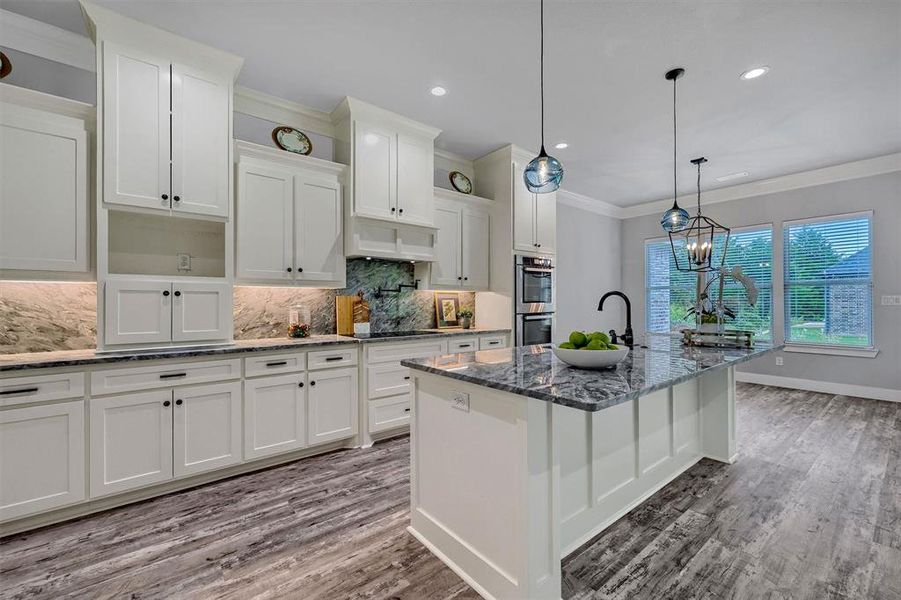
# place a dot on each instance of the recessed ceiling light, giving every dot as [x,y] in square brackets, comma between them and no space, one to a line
[755,73]
[561,146]
[732,176]
[437,91]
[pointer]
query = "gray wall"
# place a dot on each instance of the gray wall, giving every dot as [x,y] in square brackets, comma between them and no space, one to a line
[882,195]
[588,265]
[36,73]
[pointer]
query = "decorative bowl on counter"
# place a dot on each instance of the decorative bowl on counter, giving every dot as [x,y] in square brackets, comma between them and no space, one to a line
[590,359]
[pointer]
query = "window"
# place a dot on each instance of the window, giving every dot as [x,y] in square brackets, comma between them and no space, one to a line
[670,293]
[828,281]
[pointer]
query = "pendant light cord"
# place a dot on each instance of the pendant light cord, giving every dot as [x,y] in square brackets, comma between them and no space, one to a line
[675,188]
[541,85]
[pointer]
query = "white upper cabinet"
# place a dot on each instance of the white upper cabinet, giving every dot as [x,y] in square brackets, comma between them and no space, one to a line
[265,238]
[462,250]
[534,218]
[136,128]
[318,244]
[289,218]
[447,270]
[475,249]
[143,312]
[43,187]
[165,108]
[392,161]
[201,311]
[415,179]
[374,171]
[200,142]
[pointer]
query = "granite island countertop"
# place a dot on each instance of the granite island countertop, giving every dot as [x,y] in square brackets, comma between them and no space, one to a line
[75,358]
[535,372]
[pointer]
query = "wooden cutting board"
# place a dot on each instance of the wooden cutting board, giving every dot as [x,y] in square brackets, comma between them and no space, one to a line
[344,314]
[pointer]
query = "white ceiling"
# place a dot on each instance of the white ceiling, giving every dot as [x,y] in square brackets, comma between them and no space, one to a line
[833,95]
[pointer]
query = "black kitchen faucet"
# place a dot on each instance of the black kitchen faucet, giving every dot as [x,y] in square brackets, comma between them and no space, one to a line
[627,337]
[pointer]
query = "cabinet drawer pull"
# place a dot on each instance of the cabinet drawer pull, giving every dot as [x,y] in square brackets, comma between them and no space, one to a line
[334,358]
[173,375]
[19,391]
[464,345]
[406,410]
[407,378]
[494,343]
[278,363]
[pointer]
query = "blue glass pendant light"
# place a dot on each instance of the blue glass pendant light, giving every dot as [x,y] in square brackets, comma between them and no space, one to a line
[676,218]
[544,173]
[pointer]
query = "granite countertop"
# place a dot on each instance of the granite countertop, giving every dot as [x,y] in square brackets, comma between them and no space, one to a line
[428,334]
[74,358]
[535,372]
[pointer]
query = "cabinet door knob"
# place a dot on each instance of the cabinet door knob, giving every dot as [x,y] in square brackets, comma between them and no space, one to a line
[165,196]
[290,269]
[459,279]
[166,403]
[176,198]
[300,269]
[539,245]
[178,402]
[300,384]
[312,383]
[165,292]
[400,210]
[177,293]
[466,279]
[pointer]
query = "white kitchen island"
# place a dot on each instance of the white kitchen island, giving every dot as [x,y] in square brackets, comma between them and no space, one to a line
[518,459]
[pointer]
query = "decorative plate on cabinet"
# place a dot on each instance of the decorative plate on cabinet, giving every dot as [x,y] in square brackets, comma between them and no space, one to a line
[5,66]
[460,182]
[292,140]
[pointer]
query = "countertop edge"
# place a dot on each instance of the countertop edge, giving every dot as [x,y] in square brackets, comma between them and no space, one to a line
[571,403]
[239,347]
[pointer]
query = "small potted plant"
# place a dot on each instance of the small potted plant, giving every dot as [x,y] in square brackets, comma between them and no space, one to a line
[465,318]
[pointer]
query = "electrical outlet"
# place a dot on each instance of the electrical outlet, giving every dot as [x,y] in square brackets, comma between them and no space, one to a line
[460,401]
[779,361]
[184,261]
[891,301]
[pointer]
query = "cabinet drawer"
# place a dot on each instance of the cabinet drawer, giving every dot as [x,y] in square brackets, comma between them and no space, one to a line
[325,359]
[380,353]
[24,390]
[387,379]
[113,381]
[389,413]
[489,342]
[274,364]
[464,344]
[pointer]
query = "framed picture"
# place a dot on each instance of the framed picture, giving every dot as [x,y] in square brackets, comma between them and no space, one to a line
[447,309]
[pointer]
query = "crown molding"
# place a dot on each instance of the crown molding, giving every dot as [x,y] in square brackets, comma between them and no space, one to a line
[456,161]
[33,99]
[879,165]
[47,41]
[281,111]
[589,204]
[354,106]
[250,151]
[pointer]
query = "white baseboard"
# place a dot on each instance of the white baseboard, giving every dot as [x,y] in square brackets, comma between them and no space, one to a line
[826,387]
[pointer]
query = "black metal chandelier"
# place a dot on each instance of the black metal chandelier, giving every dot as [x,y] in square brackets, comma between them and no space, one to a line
[693,247]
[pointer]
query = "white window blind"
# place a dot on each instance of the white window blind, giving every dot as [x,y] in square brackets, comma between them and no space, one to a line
[828,281]
[670,293]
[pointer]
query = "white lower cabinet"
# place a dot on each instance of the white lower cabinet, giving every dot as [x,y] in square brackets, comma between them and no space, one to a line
[275,415]
[389,413]
[41,458]
[207,428]
[131,441]
[333,397]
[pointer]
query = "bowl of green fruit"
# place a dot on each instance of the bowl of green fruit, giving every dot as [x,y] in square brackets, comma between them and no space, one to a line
[590,350]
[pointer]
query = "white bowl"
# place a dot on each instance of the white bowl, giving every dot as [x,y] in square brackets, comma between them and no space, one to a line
[591,359]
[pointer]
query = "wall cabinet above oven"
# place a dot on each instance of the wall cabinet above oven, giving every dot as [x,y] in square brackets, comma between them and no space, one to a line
[534,217]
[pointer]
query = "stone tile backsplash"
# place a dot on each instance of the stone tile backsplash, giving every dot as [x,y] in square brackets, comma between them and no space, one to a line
[37,316]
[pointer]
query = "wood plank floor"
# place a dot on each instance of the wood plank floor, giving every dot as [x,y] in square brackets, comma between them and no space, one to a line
[811,510]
